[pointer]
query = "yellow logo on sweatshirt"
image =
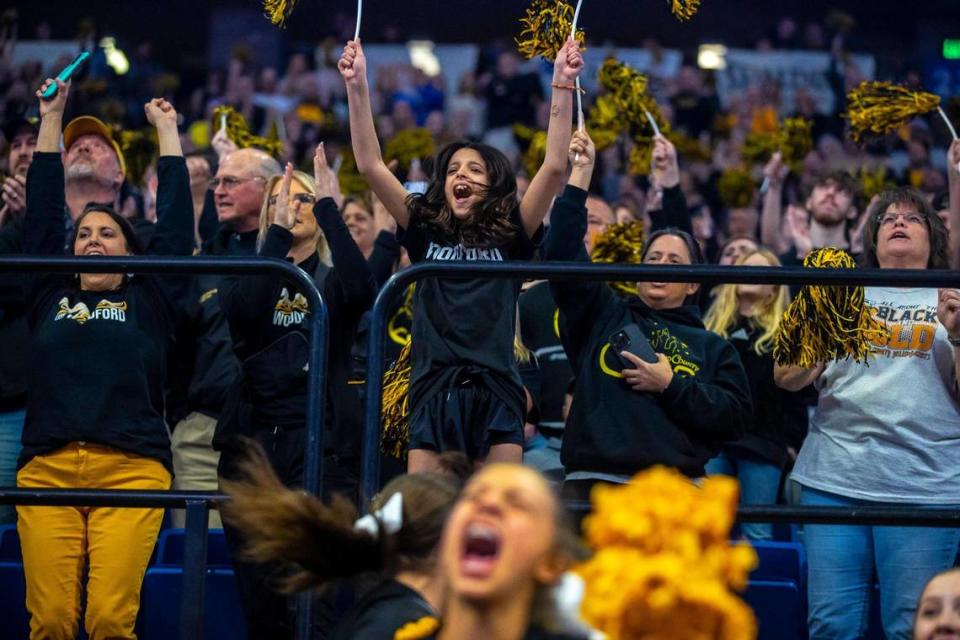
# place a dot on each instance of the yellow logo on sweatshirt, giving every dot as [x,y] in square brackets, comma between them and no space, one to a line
[290,311]
[80,312]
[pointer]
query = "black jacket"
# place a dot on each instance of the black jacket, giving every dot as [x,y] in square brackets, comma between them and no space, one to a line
[378,614]
[97,359]
[269,324]
[203,367]
[611,428]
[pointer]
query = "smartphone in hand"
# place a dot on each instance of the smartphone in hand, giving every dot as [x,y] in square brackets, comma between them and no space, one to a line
[632,340]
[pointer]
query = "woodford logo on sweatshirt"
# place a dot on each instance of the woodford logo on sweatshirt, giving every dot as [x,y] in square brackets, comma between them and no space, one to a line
[80,312]
[459,252]
[288,312]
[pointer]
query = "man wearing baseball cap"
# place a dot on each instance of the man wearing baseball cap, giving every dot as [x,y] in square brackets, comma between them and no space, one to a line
[93,164]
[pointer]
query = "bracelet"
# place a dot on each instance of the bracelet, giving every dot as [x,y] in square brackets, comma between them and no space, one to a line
[954,341]
[568,87]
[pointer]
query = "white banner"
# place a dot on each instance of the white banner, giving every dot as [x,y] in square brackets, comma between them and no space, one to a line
[789,69]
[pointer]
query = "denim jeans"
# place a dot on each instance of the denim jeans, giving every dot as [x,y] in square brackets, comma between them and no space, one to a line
[11,428]
[759,483]
[843,559]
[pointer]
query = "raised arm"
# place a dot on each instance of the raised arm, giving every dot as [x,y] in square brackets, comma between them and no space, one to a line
[793,378]
[666,172]
[953,171]
[363,135]
[174,233]
[948,313]
[771,220]
[548,179]
[44,231]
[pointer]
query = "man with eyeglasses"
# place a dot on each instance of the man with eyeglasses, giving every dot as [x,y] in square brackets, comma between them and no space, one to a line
[203,367]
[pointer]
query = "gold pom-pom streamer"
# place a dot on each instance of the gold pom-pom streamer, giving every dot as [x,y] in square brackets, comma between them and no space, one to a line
[546,27]
[351,182]
[409,145]
[684,9]
[395,408]
[759,146]
[662,550]
[620,244]
[536,151]
[139,151]
[793,138]
[605,121]
[641,156]
[826,323]
[873,182]
[239,132]
[278,10]
[881,107]
[736,188]
[689,148]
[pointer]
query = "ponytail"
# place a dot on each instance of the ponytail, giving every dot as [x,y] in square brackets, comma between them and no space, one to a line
[315,543]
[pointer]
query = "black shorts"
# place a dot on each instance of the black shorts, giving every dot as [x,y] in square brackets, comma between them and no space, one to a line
[465,417]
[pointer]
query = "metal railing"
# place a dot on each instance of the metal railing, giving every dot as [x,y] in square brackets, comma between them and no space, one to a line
[704,274]
[197,504]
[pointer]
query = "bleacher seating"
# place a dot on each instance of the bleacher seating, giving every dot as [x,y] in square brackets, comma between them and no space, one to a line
[160,605]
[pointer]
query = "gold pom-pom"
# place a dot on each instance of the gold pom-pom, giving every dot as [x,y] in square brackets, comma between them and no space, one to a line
[873,182]
[278,10]
[395,407]
[881,107]
[418,629]
[690,149]
[351,182]
[605,122]
[662,552]
[536,150]
[620,244]
[684,9]
[759,146]
[546,27]
[409,145]
[795,141]
[139,151]
[239,132]
[826,323]
[736,188]
[640,158]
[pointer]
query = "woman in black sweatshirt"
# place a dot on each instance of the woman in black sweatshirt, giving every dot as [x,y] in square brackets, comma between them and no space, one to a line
[95,394]
[269,324]
[676,412]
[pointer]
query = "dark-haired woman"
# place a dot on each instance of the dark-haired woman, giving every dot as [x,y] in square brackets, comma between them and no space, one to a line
[95,404]
[316,544]
[885,432]
[465,392]
[628,414]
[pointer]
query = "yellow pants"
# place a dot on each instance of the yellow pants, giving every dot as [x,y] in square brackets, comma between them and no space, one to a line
[58,541]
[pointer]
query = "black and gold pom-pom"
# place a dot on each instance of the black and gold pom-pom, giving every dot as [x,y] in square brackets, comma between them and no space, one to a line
[620,244]
[690,149]
[409,145]
[546,27]
[604,121]
[641,156]
[139,151]
[736,188]
[536,148]
[795,141]
[684,9]
[827,323]
[395,407]
[239,132]
[881,107]
[278,10]
[759,146]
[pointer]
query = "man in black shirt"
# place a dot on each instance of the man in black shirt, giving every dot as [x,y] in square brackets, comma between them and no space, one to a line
[203,367]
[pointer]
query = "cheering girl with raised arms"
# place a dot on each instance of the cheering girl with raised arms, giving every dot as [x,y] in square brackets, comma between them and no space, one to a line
[465,391]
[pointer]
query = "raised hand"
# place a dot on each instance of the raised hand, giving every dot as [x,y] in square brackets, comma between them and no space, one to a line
[775,171]
[326,180]
[798,227]
[283,215]
[582,154]
[160,113]
[569,62]
[665,166]
[953,159]
[948,311]
[56,104]
[14,195]
[353,64]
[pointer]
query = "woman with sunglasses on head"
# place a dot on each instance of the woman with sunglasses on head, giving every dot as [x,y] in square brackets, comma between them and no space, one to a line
[270,323]
[95,403]
[677,407]
[885,432]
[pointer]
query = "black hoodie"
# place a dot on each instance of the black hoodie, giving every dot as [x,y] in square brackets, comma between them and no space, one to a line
[269,324]
[612,428]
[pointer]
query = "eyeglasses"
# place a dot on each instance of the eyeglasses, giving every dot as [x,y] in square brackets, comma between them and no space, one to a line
[302,198]
[890,219]
[229,182]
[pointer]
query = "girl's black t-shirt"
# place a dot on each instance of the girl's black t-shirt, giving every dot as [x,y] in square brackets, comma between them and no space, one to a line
[384,609]
[466,326]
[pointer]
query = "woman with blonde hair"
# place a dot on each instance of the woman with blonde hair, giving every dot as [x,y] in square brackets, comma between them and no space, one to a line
[269,324]
[748,315]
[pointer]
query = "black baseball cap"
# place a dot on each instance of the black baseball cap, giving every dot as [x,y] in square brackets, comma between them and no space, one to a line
[13,126]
